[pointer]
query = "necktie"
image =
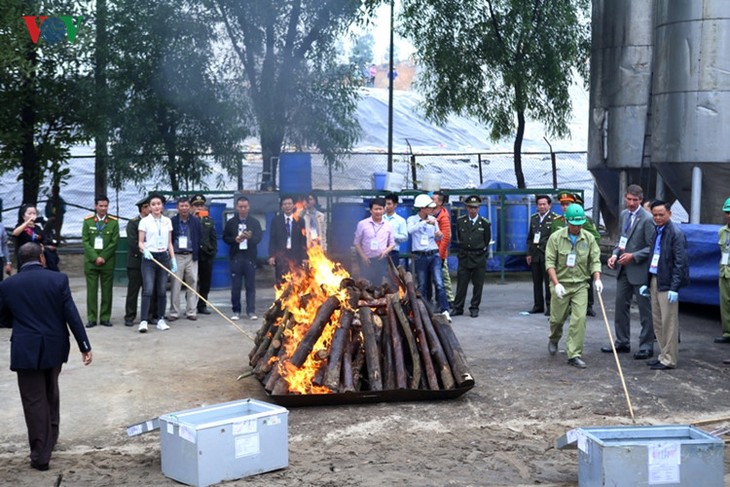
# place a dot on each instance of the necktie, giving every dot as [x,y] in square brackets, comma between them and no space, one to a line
[288,227]
[629,221]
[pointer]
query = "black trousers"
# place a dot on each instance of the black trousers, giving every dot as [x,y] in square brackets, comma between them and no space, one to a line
[205,275]
[464,275]
[41,400]
[540,281]
[134,285]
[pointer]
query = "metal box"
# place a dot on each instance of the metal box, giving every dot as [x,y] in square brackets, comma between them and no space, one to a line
[680,455]
[227,441]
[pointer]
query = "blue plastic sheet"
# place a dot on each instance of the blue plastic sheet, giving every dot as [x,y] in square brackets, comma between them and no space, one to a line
[704,263]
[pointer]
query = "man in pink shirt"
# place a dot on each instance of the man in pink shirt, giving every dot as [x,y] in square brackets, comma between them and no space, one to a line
[373,242]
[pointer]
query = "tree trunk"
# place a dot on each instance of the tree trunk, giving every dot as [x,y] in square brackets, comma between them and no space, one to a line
[518,148]
[101,152]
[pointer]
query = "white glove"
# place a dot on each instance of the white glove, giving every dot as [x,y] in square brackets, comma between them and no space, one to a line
[598,285]
[559,290]
[644,291]
[147,254]
[174,265]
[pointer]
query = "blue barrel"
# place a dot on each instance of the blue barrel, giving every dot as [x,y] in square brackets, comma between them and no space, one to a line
[262,249]
[379,181]
[517,225]
[221,277]
[345,217]
[405,209]
[295,173]
[215,211]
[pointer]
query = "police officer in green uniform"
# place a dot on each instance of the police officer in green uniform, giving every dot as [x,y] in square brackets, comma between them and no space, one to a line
[537,238]
[208,249]
[566,199]
[724,282]
[99,234]
[473,233]
[134,263]
[572,256]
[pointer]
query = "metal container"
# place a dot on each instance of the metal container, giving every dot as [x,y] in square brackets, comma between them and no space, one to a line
[227,441]
[679,455]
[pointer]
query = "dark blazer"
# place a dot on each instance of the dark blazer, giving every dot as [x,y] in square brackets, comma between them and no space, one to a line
[230,232]
[537,250]
[134,256]
[193,234]
[38,305]
[640,237]
[673,268]
[277,238]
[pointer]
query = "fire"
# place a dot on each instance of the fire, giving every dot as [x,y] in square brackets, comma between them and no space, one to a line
[302,293]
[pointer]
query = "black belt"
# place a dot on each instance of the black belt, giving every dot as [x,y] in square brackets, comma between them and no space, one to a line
[425,252]
[473,251]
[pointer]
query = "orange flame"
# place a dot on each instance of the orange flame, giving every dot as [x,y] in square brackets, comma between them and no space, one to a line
[307,290]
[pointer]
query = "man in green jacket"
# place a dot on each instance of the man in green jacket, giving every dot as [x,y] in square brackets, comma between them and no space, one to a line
[99,234]
[723,239]
[572,256]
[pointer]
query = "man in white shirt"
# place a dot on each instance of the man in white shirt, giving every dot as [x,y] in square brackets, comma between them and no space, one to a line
[400,229]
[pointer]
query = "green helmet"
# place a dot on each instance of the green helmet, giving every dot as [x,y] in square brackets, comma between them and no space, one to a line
[575,215]
[726,206]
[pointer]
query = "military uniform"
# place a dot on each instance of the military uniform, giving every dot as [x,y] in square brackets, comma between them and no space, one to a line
[724,281]
[134,271]
[537,239]
[575,280]
[473,238]
[208,249]
[99,238]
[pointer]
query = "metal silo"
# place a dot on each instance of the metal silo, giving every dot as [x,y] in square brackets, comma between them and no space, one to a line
[691,102]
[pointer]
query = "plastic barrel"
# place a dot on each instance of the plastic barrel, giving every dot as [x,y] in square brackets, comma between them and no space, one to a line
[120,262]
[216,214]
[345,217]
[295,173]
[517,221]
[221,277]
[379,181]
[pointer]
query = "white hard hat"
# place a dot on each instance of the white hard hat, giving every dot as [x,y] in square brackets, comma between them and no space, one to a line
[424,201]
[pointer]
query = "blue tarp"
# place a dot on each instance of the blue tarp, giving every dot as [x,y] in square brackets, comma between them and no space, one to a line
[704,262]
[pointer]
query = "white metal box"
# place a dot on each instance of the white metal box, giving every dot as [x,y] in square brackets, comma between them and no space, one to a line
[227,441]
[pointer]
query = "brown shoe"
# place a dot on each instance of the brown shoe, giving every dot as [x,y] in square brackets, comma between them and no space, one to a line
[192,317]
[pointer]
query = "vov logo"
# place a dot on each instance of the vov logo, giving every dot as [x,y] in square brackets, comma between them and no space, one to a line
[52,29]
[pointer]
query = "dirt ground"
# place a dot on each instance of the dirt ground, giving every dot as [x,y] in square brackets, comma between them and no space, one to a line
[502,432]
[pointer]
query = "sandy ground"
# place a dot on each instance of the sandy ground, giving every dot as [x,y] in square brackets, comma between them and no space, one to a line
[502,432]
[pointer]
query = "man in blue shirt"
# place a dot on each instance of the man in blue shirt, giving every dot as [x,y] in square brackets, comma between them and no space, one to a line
[424,232]
[400,228]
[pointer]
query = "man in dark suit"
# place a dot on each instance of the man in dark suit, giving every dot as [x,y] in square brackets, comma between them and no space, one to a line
[134,263]
[631,257]
[537,238]
[287,241]
[40,344]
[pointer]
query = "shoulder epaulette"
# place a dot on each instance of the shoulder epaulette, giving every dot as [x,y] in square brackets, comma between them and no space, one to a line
[112,217]
[90,216]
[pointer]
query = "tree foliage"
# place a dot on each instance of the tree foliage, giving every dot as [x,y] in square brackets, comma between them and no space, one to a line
[362,51]
[298,92]
[500,61]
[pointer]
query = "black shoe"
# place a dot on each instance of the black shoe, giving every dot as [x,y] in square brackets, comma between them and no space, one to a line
[547,312]
[659,366]
[128,323]
[39,466]
[722,339]
[577,362]
[456,312]
[552,348]
[619,349]
[652,362]
[106,323]
[204,311]
[474,313]
[536,310]
[590,312]
[91,324]
[643,354]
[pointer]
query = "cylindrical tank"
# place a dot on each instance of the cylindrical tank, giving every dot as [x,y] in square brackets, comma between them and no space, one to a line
[345,217]
[691,100]
[295,173]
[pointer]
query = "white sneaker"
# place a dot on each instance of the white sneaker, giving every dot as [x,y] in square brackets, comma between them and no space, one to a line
[253,317]
[235,317]
[161,325]
[142,327]
[447,315]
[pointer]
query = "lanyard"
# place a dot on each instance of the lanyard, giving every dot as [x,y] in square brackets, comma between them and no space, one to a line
[98,228]
[375,231]
[158,221]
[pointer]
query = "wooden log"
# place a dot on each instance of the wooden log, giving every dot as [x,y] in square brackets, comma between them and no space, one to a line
[395,277]
[420,334]
[259,351]
[437,351]
[372,352]
[378,325]
[263,365]
[375,303]
[387,360]
[324,313]
[337,349]
[318,379]
[347,375]
[453,351]
[358,362]
[399,368]
[405,326]
[280,388]
[274,374]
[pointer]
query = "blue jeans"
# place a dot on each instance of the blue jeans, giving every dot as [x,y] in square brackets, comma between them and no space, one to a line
[428,272]
[243,268]
[154,278]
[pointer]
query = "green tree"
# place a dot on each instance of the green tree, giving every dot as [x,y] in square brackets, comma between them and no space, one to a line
[362,51]
[43,91]
[500,61]
[299,95]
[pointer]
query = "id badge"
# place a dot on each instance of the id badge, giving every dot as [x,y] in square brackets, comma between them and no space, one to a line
[570,262]
[288,243]
[622,243]
[536,238]
[724,258]
[243,244]
[424,240]
[98,243]
[182,242]
[374,245]
[655,261]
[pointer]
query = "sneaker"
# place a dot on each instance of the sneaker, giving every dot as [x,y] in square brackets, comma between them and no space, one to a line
[446,315]
[161,325]
[253,317]
[235,317]
[142,327]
